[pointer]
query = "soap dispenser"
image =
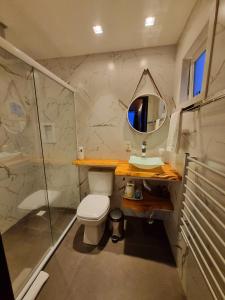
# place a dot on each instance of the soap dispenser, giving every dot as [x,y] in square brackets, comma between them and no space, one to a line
[80,152]
[143,148]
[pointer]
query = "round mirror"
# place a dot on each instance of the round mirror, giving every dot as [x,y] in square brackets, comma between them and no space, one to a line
[146,113]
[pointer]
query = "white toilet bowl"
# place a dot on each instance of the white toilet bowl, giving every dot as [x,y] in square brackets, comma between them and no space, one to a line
[92,213]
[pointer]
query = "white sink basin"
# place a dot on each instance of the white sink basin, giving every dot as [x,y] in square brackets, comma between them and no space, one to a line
[145,162]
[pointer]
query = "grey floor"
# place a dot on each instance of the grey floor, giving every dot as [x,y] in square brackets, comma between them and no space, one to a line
[139,267]
[27,241]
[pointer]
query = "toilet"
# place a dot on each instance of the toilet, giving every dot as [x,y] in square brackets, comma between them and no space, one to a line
[93,210]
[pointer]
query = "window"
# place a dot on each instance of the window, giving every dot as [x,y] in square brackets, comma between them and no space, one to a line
[194,69]
[199,65]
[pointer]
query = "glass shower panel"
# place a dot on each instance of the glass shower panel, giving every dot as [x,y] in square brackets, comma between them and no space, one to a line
[24,213]
[57,120]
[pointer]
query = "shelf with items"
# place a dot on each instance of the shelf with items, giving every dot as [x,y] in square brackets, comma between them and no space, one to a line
[148,203]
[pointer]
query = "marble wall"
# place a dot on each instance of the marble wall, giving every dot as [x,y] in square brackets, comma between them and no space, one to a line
[58,131]
[105,85]
[21,163]
[19,172]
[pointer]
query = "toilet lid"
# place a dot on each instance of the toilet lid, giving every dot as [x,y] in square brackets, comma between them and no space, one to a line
[93,207]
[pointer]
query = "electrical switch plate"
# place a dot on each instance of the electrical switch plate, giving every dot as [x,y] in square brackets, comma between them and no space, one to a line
[48,133]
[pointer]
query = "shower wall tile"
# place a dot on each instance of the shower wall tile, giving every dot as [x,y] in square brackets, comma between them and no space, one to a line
[56,108]
[19,176]
[14,188]
[16,108]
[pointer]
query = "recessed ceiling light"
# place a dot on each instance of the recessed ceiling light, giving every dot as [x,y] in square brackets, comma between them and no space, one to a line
[98,29]
[150,21]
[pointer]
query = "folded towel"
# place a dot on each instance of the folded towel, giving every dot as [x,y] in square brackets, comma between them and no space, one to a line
[36,286]
[173,135]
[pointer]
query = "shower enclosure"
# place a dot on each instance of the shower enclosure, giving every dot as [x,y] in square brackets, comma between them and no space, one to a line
[39,189]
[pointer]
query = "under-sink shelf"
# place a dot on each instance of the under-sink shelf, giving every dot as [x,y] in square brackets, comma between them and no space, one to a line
[148,203]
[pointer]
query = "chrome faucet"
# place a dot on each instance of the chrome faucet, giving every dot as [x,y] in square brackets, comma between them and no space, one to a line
[143,148]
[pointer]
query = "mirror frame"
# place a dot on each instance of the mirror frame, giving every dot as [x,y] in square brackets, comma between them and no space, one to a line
[150,132]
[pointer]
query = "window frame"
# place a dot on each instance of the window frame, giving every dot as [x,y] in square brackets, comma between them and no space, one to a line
[203,42]
[196,55]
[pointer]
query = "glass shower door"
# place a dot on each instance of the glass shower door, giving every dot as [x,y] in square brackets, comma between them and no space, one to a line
[58,132]
[24,212]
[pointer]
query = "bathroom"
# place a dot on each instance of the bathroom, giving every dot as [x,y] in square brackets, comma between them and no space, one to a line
[98,202]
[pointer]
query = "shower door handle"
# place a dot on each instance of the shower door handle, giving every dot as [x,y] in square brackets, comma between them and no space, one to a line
[6,291]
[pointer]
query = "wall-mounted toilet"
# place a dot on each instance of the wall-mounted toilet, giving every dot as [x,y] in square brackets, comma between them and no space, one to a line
[93,210]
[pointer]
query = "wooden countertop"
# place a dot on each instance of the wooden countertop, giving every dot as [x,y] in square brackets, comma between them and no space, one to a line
[123,168]
[165,172]
[98,162]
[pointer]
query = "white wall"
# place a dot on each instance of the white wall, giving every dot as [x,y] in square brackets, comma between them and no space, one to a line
[202,135]
[217,74]
[196,23]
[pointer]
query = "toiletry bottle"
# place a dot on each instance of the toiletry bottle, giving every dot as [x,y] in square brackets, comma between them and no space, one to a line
[129,190]
[80,152]
[143,148]
[138,192]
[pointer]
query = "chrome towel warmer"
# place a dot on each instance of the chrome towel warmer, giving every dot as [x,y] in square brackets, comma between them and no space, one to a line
[202,223]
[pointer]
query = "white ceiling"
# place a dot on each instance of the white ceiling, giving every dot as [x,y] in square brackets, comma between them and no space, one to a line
[56,28]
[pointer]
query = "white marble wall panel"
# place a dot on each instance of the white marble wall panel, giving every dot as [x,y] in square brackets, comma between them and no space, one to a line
[56,108]
[19,176]
[105,84]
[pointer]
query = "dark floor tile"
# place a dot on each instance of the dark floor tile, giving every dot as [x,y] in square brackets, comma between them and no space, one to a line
[139,267]
[28,241]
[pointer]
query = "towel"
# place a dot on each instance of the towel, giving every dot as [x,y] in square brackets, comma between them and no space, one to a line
[36,286]
[173,135]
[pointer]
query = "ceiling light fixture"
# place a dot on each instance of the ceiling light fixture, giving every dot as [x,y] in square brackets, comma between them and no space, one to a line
[98,29]
[150,21]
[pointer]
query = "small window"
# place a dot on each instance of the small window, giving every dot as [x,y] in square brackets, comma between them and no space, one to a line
[199,65]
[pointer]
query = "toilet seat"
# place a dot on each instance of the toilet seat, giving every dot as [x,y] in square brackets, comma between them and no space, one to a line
[93,207]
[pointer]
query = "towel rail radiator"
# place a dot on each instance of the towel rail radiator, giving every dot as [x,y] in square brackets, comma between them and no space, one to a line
[202,222]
